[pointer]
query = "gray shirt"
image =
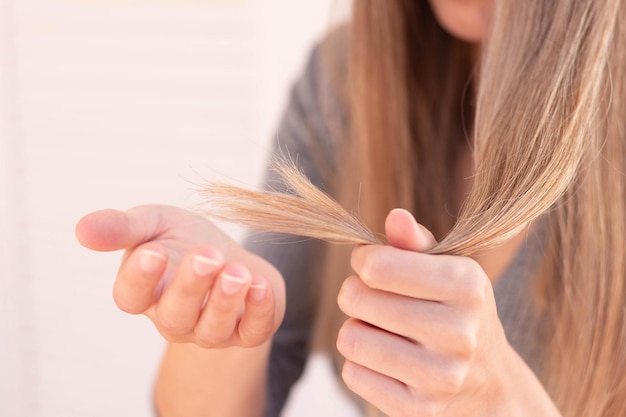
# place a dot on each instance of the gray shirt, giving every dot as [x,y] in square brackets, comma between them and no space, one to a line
[297,258]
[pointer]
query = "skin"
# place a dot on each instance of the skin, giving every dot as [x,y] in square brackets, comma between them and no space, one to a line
[465,19]
[423,336]
[218,299]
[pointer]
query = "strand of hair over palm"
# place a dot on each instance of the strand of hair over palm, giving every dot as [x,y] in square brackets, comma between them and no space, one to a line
[303,210]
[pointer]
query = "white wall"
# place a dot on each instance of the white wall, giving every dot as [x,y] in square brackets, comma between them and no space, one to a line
[112,103]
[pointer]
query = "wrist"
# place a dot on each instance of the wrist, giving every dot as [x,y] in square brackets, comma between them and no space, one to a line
[520,392]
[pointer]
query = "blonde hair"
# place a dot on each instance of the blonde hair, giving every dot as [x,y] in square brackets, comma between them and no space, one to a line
[548,139]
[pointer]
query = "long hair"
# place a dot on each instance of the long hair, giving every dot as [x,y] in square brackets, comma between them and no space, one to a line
[543,110]
[547,132]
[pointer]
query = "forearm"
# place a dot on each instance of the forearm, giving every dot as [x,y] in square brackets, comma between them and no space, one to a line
[523,393]
[212,382]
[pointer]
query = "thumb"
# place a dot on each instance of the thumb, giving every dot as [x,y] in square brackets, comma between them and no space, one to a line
[109,230]
[404,232]
[105,230]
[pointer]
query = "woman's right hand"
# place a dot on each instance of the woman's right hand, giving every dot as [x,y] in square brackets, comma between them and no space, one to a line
[187,276]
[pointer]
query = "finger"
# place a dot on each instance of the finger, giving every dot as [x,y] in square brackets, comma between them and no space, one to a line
[430,277]
[138,277]
[258,321]
[404,232]
[104,230]
[388,395]
[400,359]
[109,230]
[432,324]
[218,321]
[180,304]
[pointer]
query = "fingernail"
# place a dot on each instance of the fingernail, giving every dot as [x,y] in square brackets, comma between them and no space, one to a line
[150,260]
[202,266]
[257,291]
[231,284]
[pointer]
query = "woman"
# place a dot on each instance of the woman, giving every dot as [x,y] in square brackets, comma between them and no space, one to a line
[500,126]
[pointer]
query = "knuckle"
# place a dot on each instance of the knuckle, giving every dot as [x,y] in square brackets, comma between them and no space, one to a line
[359,258]
[369,271]
[368,264]
[476,293]
[466,344]
[172,326]
[458,269]
[472,281]
[126,302]
[351,376]
[345,341]
[253,340]
[463,267]
[254,335]
[349,295]
[452,379]
[207,339]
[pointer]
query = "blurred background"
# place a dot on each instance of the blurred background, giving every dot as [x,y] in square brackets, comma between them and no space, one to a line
[111,103]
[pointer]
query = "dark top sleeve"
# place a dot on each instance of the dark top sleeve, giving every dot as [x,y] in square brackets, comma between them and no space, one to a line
[302,135]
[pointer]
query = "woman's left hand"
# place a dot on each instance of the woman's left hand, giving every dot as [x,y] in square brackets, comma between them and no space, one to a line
[424,337]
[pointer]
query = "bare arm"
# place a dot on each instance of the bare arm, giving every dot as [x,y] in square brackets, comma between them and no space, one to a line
[203,382]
